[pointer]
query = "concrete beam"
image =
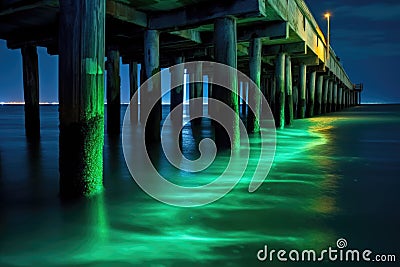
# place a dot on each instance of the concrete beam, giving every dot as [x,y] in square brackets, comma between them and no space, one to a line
[201,14]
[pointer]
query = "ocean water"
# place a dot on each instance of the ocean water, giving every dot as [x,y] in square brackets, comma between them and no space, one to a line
[334,176]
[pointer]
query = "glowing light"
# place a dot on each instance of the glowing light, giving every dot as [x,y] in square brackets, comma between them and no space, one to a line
[327,15]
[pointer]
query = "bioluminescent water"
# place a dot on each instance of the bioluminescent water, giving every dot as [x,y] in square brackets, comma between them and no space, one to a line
[334,176]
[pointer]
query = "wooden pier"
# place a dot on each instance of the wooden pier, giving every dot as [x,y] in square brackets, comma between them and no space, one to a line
[277,43]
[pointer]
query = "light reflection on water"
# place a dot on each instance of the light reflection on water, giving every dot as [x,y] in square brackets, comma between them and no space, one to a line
[124,226]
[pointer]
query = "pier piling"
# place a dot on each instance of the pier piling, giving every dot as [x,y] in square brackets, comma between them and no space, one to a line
[81,96]
[31,91]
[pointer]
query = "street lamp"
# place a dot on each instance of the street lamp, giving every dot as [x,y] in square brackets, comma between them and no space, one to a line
[328,18]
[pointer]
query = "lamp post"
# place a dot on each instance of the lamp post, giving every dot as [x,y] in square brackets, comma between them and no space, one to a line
[328,18]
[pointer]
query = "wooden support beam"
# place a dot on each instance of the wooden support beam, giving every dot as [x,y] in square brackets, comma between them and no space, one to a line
[190,34]
[126,13]
[291,48]
[37,36]
[306,60]
[18,7]
[81,96]
[200,14]
[31,92]
[271,29]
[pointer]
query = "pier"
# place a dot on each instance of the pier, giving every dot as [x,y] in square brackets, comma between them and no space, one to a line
[278,44]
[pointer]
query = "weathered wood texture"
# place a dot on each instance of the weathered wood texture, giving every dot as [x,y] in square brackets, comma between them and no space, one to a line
[31,91]
[113,91]
[81,95]
[311,94]
[289,113]
[133,87]
[253,123]
[225,37]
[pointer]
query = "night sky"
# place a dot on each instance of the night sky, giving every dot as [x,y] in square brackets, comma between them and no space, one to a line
[364,34]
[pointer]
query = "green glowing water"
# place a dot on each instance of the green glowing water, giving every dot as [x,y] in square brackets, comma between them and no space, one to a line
[301,205]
